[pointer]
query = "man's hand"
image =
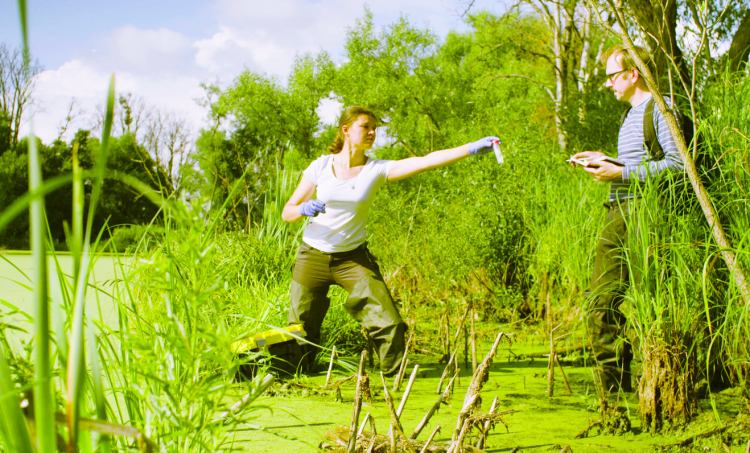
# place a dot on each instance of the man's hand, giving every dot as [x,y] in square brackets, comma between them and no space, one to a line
[604,171]
[311,208]
[595,164]
[589,157]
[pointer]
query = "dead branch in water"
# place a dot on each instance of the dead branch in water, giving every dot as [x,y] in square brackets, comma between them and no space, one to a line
[361,377]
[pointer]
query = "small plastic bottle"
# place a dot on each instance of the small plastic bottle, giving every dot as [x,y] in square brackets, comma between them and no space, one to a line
[498,153]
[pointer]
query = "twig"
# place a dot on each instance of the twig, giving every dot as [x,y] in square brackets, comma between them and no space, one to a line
[351,447]
[465,425]
[246,399]
[445,373]
[565,377]
[487,425]
[585,432]
[473,397]
[342,381]
[446,337]
[404,363]
[551,374]
[453,358]
[466,344]
[330,366]
[461,325]
[362,425]
[400,375]
[405,396]
[370,346]
[551,356]
[395,422]
[427,443]
[441,399]
[473,342]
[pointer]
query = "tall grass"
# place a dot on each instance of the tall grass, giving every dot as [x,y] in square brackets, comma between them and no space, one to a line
[725,128]
[681,300]
[525,231]
[563,217]
[164,372]
[665,303]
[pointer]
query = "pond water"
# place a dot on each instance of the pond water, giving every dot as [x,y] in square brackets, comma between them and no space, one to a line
[16,296]
[300,415]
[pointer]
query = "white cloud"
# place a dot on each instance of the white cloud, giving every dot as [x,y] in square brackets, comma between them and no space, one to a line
[147,50]
[56,89]
[229,51]
[165,67]
[329,110]
[86,86]
[303,25]
[177,95]
[68,79]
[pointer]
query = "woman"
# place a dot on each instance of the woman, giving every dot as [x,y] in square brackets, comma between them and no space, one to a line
[335,194]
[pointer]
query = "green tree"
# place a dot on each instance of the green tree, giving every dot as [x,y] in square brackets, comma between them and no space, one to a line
[311,80]
[256,114]
[13,173]
[6,133]
[256,122]
[120,204]
[389,72]
[16,85]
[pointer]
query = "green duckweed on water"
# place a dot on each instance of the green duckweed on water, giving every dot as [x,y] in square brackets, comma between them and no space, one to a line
[302,414]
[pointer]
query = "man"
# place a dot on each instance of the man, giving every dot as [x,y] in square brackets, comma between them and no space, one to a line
[610,277]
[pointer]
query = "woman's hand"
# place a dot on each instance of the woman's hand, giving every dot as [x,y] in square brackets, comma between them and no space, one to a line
[311,208]
[483,145]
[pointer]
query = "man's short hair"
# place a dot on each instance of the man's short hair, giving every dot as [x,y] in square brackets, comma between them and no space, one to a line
[625,59]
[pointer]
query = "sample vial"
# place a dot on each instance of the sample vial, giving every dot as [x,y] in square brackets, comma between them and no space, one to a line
[496,149]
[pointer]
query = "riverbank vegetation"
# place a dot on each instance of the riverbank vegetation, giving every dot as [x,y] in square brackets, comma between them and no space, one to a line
[205,257]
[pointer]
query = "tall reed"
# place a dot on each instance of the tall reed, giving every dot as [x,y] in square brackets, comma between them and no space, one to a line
[185,399]
[727,116]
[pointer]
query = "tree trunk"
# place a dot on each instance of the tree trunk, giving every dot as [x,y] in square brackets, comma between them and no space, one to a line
[583,69]
[557,25]
[658,20]
[740,47]
[560,70]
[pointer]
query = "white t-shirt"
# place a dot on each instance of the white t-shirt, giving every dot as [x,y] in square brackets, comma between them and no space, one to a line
[343,226]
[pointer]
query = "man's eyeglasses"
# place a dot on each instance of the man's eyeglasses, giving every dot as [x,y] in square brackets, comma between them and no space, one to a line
[613,76]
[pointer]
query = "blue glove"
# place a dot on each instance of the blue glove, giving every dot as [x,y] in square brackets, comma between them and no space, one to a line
[311,208]
[482,146]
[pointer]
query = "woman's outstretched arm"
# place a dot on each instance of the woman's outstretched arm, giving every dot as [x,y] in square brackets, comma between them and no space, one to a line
[404,168]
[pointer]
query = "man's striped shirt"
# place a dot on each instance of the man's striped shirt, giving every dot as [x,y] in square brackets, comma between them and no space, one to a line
[632,151]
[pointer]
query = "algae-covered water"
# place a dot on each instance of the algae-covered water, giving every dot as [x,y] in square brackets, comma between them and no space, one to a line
[16,296]
[301,415]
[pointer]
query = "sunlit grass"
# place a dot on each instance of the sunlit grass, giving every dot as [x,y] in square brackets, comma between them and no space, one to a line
[188,287]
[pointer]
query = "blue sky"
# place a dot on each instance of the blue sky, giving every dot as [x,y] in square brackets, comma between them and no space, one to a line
[162,50]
